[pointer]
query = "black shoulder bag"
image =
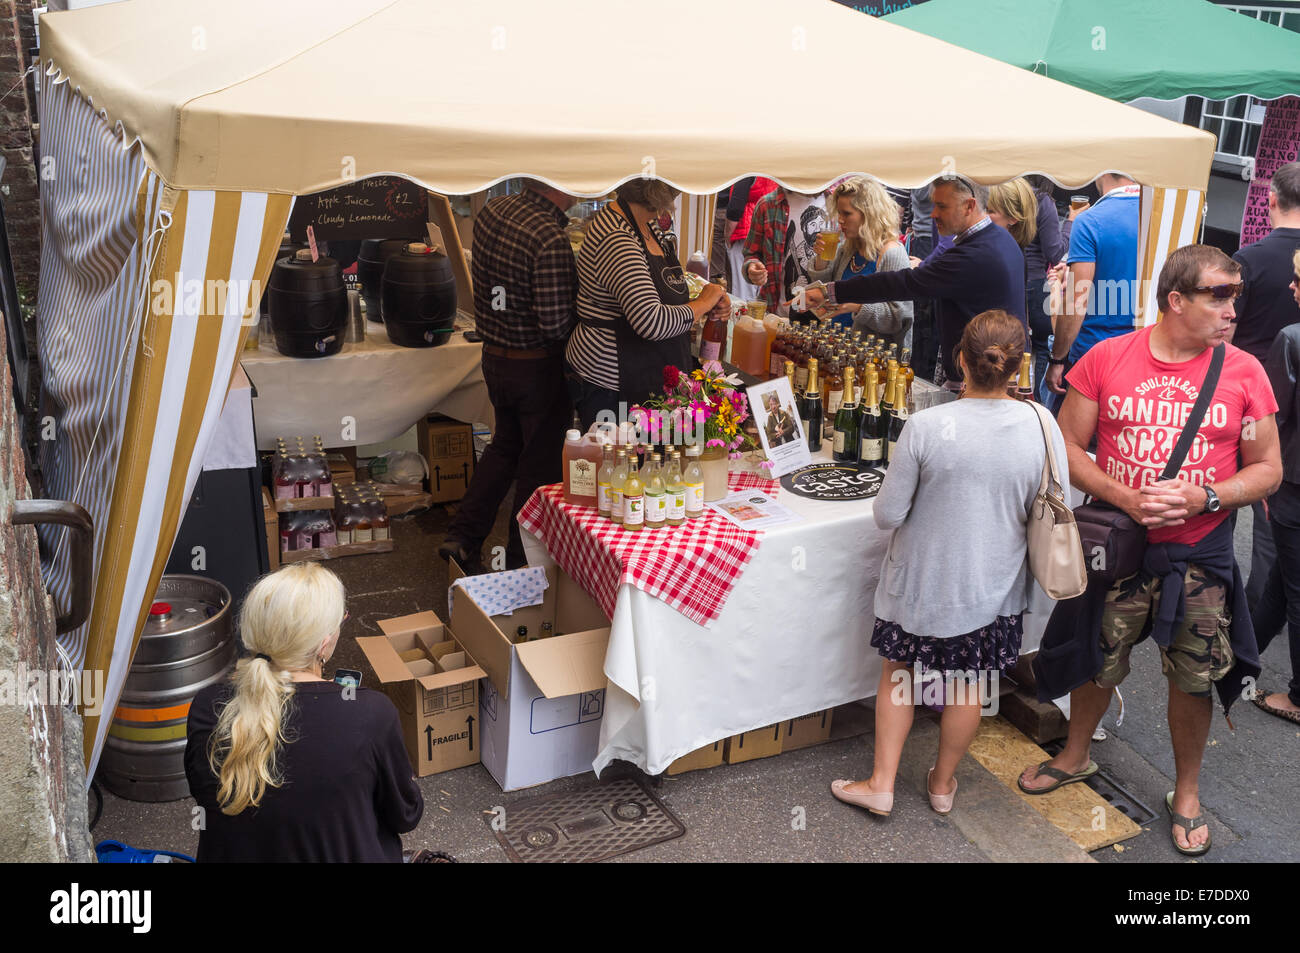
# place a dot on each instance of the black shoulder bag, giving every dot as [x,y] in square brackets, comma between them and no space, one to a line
[1111,534]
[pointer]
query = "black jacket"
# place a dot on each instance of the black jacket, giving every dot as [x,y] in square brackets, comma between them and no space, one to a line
[1070,653]
[1283,367]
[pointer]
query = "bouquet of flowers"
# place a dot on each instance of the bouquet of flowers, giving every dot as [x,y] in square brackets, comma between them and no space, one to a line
[703,406]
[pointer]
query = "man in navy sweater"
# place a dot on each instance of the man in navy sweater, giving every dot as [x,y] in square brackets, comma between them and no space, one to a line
[984,270]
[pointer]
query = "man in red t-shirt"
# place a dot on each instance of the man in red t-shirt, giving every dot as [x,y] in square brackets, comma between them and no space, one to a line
[1134,393]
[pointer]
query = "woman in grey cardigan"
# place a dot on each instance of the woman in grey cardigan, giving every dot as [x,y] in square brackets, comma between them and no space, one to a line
[870,221]
[955,581]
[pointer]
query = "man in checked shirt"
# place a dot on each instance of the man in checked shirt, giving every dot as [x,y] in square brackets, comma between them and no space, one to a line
[525,286]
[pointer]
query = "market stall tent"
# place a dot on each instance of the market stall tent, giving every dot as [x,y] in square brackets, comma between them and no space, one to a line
[1120,49]
[179,132]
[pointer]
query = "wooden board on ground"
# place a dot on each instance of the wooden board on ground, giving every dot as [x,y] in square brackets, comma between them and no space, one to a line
[334,552]
[1072,809]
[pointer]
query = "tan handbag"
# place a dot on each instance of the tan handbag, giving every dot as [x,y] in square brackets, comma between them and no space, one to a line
[1055,549]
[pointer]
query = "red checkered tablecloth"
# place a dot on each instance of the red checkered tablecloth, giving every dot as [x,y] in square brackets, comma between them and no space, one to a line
[692,567]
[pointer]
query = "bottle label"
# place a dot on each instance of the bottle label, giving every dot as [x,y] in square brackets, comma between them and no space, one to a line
[285,491]
[379,532]
[633,510]
[344,536]
[806,430]
[775,367]
[872,448]
[800,378]
[582,478]
[839,441]
[709,350]
[604,497]
[893,448]
[363,535]
[677,505]
[656,508]
[616,503]
[833,401]
[694,497]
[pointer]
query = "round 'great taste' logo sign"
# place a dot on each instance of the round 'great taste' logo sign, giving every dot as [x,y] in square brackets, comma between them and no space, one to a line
[833,481]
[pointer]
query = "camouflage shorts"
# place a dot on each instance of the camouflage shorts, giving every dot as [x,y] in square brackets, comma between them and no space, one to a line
[1199,652]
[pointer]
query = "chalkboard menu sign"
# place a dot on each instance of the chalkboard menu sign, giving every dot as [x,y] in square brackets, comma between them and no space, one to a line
[833,481]
[384,206]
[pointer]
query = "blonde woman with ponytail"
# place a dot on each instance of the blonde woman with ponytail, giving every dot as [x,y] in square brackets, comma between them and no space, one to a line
[289,766]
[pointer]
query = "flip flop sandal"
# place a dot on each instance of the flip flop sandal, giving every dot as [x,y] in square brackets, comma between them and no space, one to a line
[1062,777]
[1260,701]
[1188,824]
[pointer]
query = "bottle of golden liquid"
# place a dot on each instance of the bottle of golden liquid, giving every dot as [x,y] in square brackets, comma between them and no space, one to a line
[633,501]
[617,481]
[693,481]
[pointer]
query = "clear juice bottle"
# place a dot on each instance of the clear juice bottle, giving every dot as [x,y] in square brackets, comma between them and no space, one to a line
[603,477]
[656,493]
[617,483]
[675,490]
[633,502]
[693,481]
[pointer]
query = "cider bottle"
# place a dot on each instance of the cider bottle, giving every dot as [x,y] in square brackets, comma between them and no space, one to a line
[603,477]
[693,480]
[617,483]
[633,501]
[675,490]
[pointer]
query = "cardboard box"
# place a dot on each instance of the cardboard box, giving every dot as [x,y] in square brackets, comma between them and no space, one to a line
[434,686]
[759,743]
[542,701]
[806,731]
[448,448]
[342,471]
[272,519]
[710,756]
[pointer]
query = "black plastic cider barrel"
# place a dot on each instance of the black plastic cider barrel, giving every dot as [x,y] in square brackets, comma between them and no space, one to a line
[419,297]
[188,643]
[287,248]
[309,306]
[374,253]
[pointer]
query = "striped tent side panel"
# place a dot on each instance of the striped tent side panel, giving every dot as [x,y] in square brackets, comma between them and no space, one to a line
[92,267]
[693,223]
[1171,218]
[219,243]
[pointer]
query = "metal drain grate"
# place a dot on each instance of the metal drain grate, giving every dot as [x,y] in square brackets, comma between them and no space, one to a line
[1111,791]
[595,823]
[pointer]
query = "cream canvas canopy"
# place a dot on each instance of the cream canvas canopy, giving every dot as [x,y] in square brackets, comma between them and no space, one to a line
[178,131]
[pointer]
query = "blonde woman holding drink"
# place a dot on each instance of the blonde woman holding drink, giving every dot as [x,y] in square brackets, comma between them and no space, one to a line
[869,221]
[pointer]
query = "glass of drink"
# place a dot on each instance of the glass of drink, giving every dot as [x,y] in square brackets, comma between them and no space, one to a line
[757,309]
[828,244]
[1079,202]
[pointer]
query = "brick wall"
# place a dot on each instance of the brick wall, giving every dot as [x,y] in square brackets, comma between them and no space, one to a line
[42,776]
[19,187]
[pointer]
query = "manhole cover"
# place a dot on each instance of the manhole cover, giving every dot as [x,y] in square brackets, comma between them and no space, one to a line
[595,823]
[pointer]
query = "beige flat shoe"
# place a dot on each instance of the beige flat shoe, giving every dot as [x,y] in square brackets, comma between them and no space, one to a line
[880,804]
[942,803]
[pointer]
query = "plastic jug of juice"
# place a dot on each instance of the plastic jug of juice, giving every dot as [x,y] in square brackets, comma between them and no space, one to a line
[749,346]
[582,459]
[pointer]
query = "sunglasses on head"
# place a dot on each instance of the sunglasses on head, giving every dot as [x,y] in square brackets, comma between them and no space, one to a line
[1222,292]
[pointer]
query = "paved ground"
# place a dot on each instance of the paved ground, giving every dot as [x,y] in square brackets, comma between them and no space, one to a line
[748,812]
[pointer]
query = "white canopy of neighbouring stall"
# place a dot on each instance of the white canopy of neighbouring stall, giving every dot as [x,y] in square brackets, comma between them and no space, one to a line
[179,130]
[301,95]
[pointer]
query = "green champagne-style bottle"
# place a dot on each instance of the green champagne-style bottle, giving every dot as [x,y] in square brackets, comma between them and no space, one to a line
[846,447]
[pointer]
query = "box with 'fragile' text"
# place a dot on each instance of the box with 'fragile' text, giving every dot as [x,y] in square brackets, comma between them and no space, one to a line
[434,686]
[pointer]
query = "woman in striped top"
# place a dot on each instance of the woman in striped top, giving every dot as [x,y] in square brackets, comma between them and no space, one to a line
[634,311]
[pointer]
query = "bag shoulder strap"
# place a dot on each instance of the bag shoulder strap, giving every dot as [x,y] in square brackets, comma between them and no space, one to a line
[1051,476]
[1198,414]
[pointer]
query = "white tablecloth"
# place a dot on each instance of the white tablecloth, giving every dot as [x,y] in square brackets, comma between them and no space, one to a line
[383,387]
[792,639]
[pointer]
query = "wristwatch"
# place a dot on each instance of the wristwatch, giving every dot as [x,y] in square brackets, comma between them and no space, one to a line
[1212,503]
[1056,360]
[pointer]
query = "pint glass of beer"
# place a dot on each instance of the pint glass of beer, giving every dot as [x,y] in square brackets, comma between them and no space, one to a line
[828,243]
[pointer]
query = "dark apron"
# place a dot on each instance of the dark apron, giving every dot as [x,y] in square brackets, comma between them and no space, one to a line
[640,361]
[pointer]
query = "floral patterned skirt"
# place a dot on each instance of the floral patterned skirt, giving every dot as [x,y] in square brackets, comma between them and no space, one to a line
[994,647]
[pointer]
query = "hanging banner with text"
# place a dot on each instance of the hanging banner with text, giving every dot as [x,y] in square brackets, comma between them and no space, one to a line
[1279,143]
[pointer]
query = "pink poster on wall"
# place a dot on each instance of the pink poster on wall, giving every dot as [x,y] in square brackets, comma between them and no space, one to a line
[1279,143]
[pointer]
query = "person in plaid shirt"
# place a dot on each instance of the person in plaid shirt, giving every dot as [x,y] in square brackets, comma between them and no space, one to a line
[525,291]
[779,245]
